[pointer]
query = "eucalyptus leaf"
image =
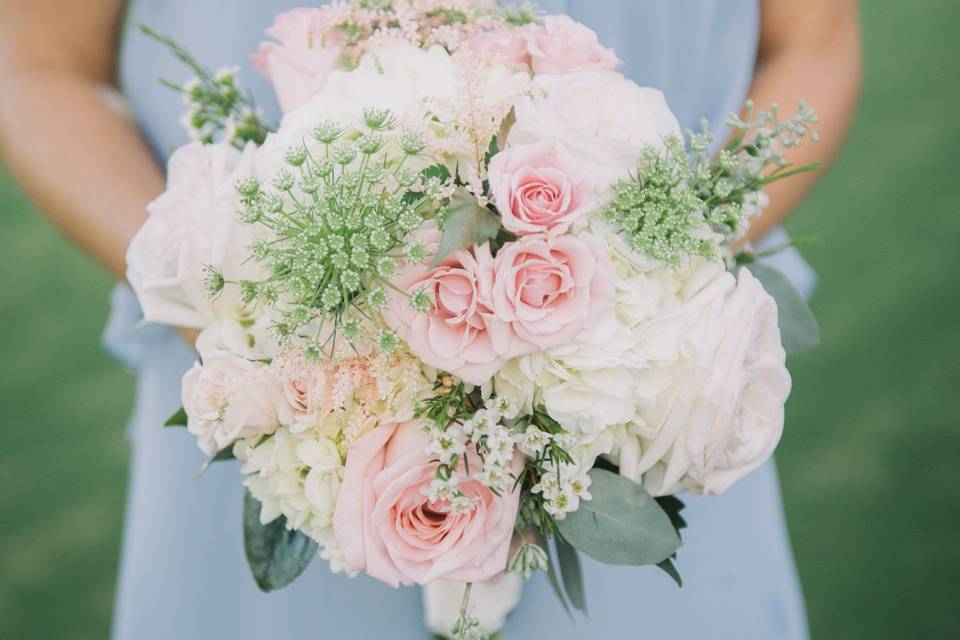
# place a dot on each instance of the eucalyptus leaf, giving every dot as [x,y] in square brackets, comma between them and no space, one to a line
[798,327]
[622,524]
[552,575]
[572,574]
[466,223]
[178,419]
[276,555]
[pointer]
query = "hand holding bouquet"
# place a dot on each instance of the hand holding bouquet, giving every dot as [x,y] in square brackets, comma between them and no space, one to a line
[472,307]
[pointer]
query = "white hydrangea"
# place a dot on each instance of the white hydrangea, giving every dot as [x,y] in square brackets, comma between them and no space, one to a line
[296,476]
[723,414]
[669,347]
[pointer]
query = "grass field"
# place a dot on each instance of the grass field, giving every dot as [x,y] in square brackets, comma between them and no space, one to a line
[870,462]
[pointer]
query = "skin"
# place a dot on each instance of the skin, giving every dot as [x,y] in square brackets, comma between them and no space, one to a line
[85,165]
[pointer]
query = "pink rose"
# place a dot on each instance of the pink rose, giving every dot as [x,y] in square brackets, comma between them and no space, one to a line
[551,288]
[565,45]
[299,63]
[539,188]
[510,46]
[458,332]
[387,527]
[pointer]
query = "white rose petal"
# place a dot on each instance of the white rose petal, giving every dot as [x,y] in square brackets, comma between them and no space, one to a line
[192,225]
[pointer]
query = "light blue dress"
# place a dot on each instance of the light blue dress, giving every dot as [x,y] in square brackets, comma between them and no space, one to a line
[183,574]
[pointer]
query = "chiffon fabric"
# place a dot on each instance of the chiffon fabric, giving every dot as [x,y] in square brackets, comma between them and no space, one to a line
[182,573]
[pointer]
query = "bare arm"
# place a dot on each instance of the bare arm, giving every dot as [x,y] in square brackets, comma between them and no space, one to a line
[808,51]
[78,157]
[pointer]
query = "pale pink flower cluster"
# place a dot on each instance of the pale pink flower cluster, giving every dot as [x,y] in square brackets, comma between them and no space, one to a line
[348,395]
[539,292]
[559,45]
[468,122]
[309,43]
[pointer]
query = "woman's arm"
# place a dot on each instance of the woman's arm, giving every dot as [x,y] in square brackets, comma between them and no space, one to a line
[808,51]
[79,158]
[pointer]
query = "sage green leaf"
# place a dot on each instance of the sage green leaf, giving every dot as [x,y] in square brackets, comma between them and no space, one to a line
[622,524]
[178,419]
[798,328]
[571,573]
[552,574]
[466,223]
[275,554]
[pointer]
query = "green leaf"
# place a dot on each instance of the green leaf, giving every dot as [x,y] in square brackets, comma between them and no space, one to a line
[672,506]
[571,573]
[178,419]
[671,570]
[438,171]
[622,524]
[275,554]
[492,150]
[466,223]
[223,454]
[798,327]
[552,574]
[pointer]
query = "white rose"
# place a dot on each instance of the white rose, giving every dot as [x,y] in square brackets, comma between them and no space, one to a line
[228,398]
[603,118]
[723,415]
[490,602]
[191,225]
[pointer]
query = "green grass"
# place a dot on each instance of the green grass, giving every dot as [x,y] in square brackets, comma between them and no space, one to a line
[868,463]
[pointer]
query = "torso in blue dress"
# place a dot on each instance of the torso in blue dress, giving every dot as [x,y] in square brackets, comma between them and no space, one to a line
[183,574]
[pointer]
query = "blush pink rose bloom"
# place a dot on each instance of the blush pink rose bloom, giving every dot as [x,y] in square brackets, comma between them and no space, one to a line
[540,188]
[552,288]
[459,332]
[301,59]
[388,528]
[510,46]
[565,45]
[228,398]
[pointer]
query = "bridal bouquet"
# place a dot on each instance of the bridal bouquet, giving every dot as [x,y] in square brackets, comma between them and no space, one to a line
[473,306]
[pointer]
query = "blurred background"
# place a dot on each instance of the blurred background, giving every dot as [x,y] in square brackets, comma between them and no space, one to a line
[869,461]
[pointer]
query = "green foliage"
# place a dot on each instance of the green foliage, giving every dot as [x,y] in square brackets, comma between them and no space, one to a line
[276,555]
[217,109]
[572,573]
[178,419]
[799,331]
[622,524]
[552,574]
[683,200]
[465,223]
[672,506]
